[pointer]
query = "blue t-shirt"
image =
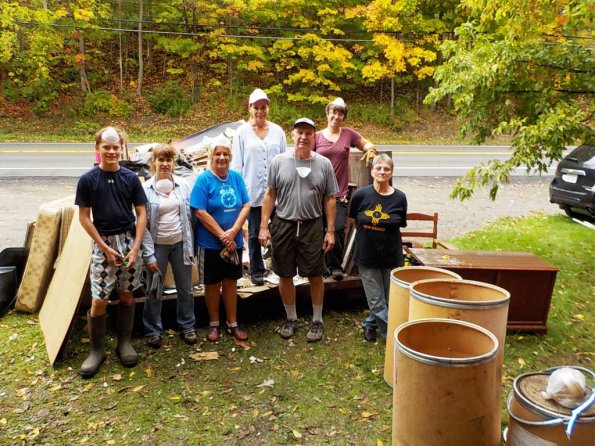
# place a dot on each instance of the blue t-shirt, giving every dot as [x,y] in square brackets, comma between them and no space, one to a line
[223,200]
[111,197]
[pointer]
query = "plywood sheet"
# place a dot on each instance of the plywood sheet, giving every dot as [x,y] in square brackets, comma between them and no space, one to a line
[63,296]
[44,249]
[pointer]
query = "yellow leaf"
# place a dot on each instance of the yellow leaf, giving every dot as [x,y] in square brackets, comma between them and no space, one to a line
[33,434]
[522,362]
[295,373]
[3,421]
[580,317]
[367,414]
[296,434]
[379,443]
[174,398]
[205,356]
[138,388]
[149,372]
[117,377]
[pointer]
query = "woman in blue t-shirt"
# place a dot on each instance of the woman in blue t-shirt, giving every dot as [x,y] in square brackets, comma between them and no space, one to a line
[220,201]
[380,210]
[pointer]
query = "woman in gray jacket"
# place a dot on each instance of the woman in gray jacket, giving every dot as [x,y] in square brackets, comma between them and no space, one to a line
[169,224]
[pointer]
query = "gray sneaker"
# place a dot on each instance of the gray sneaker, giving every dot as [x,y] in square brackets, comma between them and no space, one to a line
[316,331]
[288,329]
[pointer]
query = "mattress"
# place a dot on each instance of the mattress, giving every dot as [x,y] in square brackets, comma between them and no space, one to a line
[46,243]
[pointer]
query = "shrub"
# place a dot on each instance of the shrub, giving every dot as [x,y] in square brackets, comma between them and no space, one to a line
[39,94]
[103,102]
[170,100]
[85,128]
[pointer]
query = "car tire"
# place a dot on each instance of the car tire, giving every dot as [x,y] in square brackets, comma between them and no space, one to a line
[579,216]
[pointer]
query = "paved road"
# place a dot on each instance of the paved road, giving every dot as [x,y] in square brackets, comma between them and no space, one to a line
[72,159]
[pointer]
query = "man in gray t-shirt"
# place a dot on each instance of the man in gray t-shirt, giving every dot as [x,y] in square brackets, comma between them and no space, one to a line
[303,186]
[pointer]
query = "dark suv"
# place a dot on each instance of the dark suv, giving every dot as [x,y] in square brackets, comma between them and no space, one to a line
[573,187]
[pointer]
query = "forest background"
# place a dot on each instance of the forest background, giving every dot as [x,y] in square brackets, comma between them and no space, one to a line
[522,70]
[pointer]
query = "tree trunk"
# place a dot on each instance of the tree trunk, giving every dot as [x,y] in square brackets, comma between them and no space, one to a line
[195,83]
[85,88]
[149,40]
[417,94]
[120,61]
[141,68]
[392,96]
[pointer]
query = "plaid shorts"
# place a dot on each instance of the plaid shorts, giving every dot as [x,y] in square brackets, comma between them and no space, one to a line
[105,277]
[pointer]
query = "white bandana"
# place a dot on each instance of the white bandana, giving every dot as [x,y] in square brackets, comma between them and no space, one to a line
[339,102]
[110,135]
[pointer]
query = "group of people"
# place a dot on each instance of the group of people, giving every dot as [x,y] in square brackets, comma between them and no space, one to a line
[296,204]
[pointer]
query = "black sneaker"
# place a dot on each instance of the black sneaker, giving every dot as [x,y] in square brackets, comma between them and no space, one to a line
[190,337]
[154,341]
[316,331]
[257,279]
[288,329]
[337,274]
[369,334]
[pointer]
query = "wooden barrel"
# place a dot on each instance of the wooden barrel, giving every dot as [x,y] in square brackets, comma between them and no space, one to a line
[398,305]
[447,388]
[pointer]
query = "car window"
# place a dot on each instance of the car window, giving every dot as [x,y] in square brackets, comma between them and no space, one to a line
[584,155]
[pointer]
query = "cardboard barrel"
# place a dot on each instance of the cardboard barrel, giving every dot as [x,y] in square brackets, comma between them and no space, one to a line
[480,303]
[447,388]
[398,305]
[535,420]
[169,282]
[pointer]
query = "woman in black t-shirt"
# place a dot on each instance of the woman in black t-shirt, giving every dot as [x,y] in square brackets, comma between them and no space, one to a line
[379,211]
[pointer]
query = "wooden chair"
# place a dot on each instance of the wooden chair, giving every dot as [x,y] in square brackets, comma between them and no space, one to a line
[428,229]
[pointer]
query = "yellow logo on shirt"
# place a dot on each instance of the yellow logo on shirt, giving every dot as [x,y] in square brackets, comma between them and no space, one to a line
[376,214]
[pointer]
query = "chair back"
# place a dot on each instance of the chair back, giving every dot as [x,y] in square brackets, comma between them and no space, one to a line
[420,226]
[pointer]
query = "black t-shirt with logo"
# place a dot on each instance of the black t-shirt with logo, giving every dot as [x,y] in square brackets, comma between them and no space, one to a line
[111,197]
[378,241]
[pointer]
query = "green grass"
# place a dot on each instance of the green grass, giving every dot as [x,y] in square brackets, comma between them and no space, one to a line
[332,393]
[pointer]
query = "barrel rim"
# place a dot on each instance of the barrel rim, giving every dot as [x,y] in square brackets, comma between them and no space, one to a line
[540,410]
[550,422]
[442,360]
[404,284]
[458,303]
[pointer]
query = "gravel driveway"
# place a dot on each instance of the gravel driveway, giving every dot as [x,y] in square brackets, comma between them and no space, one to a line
[21,198]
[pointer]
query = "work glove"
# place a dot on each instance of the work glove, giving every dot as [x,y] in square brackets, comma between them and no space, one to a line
[368,156]
[230,256]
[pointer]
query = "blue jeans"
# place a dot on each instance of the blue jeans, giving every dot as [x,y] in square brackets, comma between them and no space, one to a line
[254,251]
[174,255]
[376,282]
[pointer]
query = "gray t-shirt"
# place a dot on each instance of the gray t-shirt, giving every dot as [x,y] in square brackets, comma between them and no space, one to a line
[300,198]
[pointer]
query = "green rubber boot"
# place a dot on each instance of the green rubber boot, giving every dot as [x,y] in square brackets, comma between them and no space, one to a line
[125,351]
[96,356]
